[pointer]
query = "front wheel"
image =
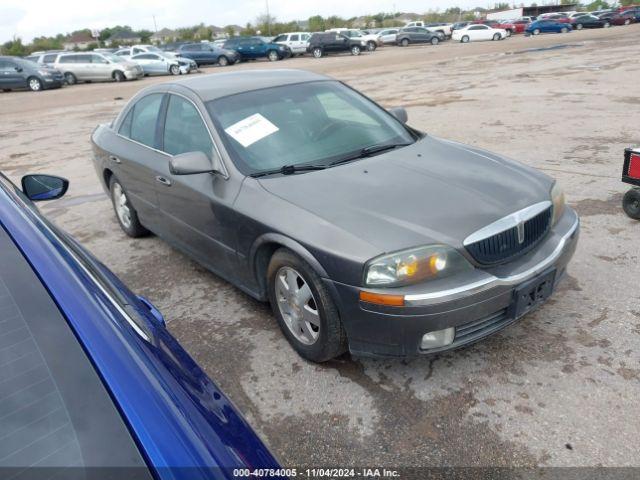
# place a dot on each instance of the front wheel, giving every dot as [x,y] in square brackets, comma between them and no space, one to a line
[125,213]
[606,25]
[304,308]
[405,42]
[435,41]
[223,61]
[118,76]
[496,36]
[273,56]
[631,203]
[536,31]
[355,50]
[35,84]
[371,46]
[465,39]
[317,52]
[70,78]
[564,30]
[578,26]
[174,70]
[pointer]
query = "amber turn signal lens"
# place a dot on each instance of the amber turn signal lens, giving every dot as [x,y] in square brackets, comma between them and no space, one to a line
[382,299]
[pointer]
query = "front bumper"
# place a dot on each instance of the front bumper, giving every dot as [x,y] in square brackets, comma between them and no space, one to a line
[477,306]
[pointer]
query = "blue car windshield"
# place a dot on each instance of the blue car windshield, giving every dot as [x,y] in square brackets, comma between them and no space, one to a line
[304,123]
[55,412]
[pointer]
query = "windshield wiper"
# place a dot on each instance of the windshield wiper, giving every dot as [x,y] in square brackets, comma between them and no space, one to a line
[289,170]
[368,151]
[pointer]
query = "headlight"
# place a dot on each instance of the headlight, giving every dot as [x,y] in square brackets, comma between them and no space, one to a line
[44,73]
[557,198]
[414,265]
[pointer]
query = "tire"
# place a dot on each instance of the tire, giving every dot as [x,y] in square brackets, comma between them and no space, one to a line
[355,50]
[627,21]
[435,41]
[631,203]
[125,214]
[404,42]
[606,25]
[509,33]
[564,30]
[536,31]
[118,76]
[371,46]
[223,61]
[317,52]
[496,37]
[273,56]
[308,301]
[579,26]
[70,78]
[34,84]
[175,70]
[465,39]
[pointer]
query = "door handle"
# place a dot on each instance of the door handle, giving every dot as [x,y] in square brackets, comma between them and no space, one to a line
[114,159]
[164,181]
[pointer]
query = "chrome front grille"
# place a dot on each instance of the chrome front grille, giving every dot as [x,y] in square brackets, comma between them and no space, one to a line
[511,242]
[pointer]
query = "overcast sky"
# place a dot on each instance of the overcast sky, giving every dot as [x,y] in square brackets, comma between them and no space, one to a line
[33,18]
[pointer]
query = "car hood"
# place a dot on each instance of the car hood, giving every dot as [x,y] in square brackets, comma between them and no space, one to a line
[433,191]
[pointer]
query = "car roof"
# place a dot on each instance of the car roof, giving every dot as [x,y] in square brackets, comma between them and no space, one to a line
[211,87]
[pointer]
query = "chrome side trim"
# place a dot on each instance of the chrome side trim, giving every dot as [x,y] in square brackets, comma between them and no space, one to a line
[492,281]
[508,222]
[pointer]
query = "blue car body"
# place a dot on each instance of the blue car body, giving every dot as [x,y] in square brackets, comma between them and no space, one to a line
[547,26]
[182,423]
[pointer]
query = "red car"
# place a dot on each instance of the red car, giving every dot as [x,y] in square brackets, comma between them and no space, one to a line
[517,26]
[621,18]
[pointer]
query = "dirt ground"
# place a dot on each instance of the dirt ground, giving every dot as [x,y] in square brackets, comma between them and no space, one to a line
[558,388]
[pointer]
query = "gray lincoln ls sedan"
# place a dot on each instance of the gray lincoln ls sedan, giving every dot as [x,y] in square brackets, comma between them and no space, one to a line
[362,232]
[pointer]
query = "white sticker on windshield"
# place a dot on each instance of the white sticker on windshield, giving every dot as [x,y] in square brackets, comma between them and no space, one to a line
[251,129]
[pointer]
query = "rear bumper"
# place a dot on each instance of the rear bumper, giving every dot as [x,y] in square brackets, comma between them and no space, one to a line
[476,308]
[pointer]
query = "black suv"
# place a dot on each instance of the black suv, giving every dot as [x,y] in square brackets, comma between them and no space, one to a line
[416,35]
[321,43]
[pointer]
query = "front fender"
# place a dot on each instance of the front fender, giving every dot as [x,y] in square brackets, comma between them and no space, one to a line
[289,243]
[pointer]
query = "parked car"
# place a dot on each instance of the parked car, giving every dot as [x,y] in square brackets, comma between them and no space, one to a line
[92,379]
[478,32]
[368,40]
[92,66]
[132,50]
[388,36]
[296,41]
[409,35]
[624,18]
[235,171]
[17,73]
[44,58]
[252,48]
[547,26]
[160,64]
[459,25]
[441,28]
[208,54]
[560,17]
[321,44]
[513,27]
[589,21]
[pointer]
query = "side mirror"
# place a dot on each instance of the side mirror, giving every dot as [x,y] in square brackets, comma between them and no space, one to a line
[191,163]
[400,113]
[18,69]
[44,187]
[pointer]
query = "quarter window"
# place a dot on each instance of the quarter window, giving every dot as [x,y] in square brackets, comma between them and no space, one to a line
[144,116]
[184,130]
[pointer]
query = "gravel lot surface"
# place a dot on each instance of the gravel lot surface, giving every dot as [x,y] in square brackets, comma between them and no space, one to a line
[558,388]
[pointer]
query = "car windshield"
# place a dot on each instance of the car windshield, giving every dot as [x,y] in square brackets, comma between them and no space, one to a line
[113,58]
[307,123]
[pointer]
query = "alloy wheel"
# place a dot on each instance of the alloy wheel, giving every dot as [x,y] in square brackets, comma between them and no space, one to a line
[35,85]
[297,305]
[121,205]
[273,55]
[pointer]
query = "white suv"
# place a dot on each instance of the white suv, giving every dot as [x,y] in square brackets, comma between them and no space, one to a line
[296,41]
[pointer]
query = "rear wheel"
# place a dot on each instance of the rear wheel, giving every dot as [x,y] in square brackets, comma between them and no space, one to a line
[125,213]
[70,78]
[536,31]
[606,25]
[317,52]
[564,30]
[371,46]
[304,308]
[496,36]
[578,26]
[465,39]
[118,76]
[631,203]
[627,21]
[404,42]
[223,61]
[35,84]
[355,50]
[435,41]
[273,56]
[175,70]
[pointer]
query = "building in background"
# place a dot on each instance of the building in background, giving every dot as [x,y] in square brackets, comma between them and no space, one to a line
[532,11]
[165,35]
[78,41]
[123,37]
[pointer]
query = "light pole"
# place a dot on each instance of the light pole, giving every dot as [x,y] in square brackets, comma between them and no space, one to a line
[268,17]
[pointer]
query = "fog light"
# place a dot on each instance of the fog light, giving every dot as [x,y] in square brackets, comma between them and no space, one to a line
[439,338]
